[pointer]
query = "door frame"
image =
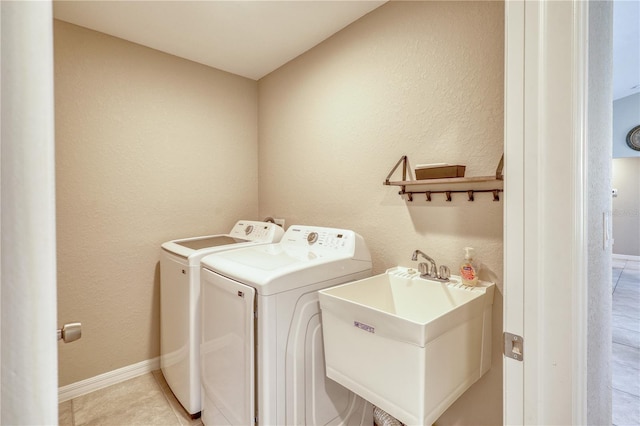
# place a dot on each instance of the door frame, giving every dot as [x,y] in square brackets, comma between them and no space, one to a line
[29,373]
[545,252]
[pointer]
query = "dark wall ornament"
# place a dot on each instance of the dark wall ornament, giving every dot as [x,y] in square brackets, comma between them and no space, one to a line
[633,138]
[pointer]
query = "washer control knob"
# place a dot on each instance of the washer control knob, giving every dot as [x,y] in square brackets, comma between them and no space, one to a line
[248,229]
[312,237]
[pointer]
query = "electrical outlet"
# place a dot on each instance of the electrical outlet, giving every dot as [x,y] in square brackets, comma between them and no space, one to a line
[279,222]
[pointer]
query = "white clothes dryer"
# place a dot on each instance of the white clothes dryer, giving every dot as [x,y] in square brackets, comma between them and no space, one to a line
[262,357]
[179,302]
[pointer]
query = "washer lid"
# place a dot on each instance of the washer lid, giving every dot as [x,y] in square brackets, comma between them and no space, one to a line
[244,232]
[209,241]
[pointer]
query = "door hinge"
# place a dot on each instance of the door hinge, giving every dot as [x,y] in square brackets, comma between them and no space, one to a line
[513,346]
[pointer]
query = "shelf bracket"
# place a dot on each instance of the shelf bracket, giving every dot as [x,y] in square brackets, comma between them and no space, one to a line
[406,170]
[499,174]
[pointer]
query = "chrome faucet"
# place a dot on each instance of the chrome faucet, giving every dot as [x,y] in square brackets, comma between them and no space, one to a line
[425,269]
[430,269]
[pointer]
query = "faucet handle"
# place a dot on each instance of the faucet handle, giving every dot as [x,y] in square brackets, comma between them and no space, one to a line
[427,270]
[445,272]
[424,269]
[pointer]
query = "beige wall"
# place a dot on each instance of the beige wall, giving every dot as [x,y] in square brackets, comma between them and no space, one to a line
[418,78]
[149,147]
[626,206]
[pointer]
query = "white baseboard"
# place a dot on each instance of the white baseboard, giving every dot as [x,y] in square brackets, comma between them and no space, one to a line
[625,257]
[101,381]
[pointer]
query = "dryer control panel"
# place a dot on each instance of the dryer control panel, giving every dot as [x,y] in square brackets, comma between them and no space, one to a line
[256,231]
[317,238]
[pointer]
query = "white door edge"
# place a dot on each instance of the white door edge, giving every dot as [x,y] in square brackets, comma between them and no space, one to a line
[513,371]
[28,256]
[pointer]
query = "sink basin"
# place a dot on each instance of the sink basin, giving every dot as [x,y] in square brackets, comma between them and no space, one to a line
[407,344]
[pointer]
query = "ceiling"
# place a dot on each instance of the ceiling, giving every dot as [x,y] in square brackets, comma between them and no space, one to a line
[247,38]
[253,38]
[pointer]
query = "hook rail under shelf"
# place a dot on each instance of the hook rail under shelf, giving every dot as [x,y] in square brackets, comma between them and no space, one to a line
[470,194]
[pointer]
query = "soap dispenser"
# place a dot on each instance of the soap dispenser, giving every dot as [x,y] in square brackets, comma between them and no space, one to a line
[469,269]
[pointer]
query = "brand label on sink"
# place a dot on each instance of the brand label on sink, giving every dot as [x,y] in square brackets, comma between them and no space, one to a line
[364,326]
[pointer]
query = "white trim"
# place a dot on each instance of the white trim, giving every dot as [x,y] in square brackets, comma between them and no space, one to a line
[102,381]
[29,368]
[513,292]
[546,80]
[625,257]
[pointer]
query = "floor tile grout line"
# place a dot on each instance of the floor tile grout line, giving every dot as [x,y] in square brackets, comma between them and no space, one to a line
[634,330]
[627,393]
[625,344]
[166,399]
[625,319]
[73,414]
[631,278]
[632,395]
[623,315]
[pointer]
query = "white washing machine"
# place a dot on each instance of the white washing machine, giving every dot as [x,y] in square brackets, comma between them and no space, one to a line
[261,351]
[179,302]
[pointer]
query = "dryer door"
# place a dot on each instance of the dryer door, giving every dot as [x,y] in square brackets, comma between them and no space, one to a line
[227,351]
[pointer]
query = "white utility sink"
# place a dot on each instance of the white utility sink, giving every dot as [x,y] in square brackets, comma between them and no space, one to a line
[407,344]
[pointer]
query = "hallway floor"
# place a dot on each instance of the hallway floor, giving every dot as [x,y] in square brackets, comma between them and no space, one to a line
[144,400]
[625,362]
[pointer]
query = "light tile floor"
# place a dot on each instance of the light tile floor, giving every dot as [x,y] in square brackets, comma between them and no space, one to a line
[144,400]
[625,360]
[147,400]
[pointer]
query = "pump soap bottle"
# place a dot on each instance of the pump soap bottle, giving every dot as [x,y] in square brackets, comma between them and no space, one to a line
[469,269]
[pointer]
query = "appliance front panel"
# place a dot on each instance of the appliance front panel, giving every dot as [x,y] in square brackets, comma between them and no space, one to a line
[227,351]
[175,359]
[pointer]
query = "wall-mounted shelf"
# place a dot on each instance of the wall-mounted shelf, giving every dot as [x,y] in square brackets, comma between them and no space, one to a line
[469,185]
